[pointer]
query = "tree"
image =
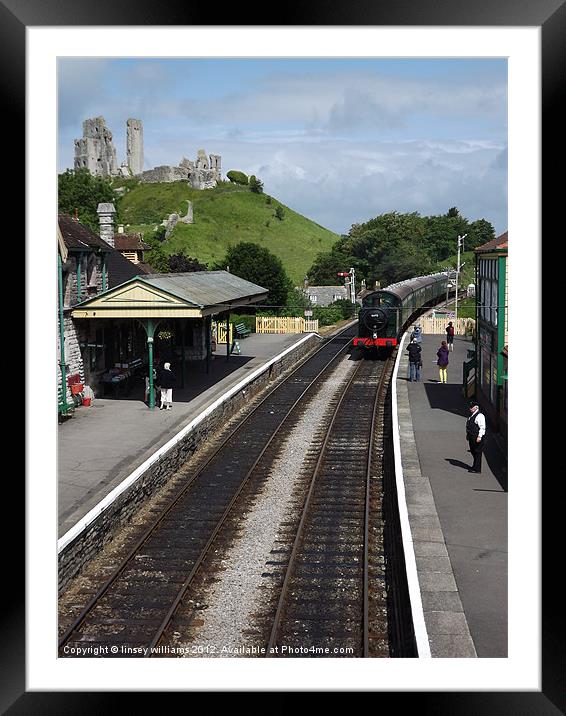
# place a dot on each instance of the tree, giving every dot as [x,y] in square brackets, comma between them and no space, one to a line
[326,265]
[255,185]
[279,213]
[327,315]
[297,302]
[79,189]
[156,256]
[257,264]
[180,263]
[347,308]
[479,233]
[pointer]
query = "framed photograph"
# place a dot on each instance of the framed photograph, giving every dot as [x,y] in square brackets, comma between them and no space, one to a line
[42,42]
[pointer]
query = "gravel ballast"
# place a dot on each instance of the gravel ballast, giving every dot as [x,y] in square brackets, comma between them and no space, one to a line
[229,607]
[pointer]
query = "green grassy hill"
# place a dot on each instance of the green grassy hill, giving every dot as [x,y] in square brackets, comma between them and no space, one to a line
[224,216]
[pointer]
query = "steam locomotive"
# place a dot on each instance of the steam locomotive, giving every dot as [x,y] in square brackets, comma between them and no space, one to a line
[385,313]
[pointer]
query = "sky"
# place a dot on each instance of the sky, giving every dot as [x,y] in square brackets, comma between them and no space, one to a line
[337,140]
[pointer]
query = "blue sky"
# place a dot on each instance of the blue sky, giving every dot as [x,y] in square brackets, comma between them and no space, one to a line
[338,140]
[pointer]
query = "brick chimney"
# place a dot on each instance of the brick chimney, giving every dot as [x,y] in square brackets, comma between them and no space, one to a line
[106,214]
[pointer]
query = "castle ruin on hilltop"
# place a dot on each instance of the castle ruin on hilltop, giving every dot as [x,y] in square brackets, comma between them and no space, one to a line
[95,151]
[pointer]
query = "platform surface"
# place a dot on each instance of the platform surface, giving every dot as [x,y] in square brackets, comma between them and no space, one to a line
[102,444]
[471,508]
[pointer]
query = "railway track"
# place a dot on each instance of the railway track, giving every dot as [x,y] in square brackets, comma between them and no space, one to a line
[130,613]
[333,599]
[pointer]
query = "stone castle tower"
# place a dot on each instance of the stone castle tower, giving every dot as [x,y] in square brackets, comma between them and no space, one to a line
[95,150]
[134,145]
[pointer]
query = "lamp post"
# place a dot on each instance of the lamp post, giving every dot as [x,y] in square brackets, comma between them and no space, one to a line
[460,244]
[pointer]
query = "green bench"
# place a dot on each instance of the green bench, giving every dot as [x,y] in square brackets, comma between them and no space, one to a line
[242,330]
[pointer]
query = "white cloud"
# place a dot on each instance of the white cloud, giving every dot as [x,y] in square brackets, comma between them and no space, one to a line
[348,101]
[338,184]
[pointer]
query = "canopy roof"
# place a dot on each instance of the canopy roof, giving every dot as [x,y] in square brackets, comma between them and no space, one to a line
[177,295]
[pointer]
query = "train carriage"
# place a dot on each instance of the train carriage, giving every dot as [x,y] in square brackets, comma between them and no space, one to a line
[385,313]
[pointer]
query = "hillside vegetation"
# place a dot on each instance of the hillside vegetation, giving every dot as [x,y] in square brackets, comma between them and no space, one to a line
[224,217]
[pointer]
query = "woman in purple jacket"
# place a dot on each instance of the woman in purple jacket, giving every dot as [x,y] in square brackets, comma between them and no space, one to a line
[442,362]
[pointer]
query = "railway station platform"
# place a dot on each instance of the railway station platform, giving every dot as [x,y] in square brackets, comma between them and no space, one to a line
[458,519]
[101,445]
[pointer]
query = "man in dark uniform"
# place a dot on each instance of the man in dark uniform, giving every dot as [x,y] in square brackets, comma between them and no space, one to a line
[475,434]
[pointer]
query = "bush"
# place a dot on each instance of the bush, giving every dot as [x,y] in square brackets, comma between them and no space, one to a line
[248,321]
[327,315]
[345,307]
[237,177]
[280,213]
[256,185]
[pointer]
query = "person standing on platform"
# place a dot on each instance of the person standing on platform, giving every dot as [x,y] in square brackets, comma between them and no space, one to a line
[475,434]
[442,362]
[417,333]
[415,360]
[450,336]
[167,381]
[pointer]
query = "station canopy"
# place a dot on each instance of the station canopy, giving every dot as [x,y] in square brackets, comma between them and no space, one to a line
[172,295]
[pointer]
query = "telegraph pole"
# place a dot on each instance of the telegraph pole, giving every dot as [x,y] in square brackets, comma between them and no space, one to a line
[460,244]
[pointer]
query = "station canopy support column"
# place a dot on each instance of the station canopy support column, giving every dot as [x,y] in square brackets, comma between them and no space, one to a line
[150,325]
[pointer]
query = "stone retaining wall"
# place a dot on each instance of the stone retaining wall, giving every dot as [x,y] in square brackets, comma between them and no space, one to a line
[74,556]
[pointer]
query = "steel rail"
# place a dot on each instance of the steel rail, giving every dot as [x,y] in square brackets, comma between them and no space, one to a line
[305,511]
[377,402]
[223,517]
[154,526]
[284,587]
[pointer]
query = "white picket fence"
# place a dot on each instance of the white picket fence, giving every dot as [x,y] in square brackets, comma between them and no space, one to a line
[437,326]
[285,324]
[219,332]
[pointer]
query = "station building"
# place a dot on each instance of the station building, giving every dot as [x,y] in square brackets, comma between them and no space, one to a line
[116,322]
[87,266]
[491,334]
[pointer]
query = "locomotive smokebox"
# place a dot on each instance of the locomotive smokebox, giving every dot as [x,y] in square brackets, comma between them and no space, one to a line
[374,319]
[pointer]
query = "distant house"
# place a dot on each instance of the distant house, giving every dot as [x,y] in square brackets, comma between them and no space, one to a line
[325,295]
[492,339]
[132,248]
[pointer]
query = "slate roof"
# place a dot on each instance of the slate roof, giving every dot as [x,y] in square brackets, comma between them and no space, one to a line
[120,269]
[498,244]
[325,294]
[77,236]
[130,242]
[201,290]
[206,288]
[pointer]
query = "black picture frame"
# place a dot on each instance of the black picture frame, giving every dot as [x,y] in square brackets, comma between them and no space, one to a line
[550,16]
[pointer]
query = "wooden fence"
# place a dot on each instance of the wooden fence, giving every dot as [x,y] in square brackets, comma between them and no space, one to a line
[285,324]
[437,326]
[219,332]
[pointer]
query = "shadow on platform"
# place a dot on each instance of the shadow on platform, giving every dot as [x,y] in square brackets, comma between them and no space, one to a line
[197,380]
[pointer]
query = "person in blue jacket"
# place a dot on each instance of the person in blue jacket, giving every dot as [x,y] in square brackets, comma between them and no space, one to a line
[415,360]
